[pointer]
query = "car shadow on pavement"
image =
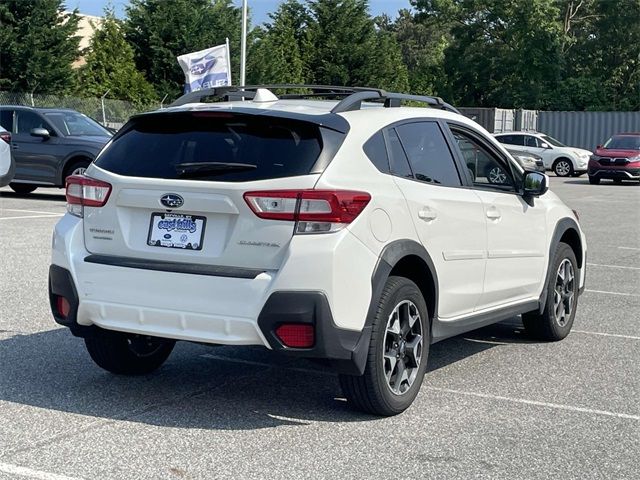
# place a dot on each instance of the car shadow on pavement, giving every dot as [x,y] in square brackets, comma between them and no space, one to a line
[228,388]
[60,197]
[603,182]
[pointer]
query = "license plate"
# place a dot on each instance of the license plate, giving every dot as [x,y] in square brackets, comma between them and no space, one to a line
[174,230]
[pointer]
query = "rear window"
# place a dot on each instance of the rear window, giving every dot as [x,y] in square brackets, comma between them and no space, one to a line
[224,147]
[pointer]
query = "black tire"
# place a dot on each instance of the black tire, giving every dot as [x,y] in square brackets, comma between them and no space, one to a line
[563,167]
[69,169]
[125,354]
[594,180]
[371,392]
[23,188]
[546,326]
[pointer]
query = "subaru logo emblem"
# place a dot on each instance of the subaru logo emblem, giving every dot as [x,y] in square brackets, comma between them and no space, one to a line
[172,200]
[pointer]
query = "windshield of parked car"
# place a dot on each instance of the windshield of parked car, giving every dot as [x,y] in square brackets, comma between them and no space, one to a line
[623,142]
[552,141]
[76,124]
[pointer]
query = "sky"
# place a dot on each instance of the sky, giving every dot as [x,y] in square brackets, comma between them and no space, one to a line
[259,8]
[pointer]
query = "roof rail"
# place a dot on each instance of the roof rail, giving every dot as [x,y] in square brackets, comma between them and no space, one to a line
[353,96]
[354,101]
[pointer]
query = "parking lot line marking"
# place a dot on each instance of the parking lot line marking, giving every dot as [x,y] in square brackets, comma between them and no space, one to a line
[613,293]
[616,335]
[52,215]
[557,406]
[26,211]
[31,473]
[612,266]
[629,248]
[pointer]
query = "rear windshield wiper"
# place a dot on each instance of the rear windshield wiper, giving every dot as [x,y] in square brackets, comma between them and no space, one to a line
[197,169]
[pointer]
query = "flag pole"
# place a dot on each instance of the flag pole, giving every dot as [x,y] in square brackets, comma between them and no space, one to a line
[243,44]
[229,61]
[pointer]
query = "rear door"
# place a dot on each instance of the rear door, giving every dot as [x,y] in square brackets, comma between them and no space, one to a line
[178,182]
[448,218]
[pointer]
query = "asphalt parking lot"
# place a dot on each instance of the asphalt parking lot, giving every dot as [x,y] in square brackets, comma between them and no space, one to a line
[494,404]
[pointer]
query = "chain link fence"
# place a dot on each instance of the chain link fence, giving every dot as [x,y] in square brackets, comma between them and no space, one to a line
[109,112]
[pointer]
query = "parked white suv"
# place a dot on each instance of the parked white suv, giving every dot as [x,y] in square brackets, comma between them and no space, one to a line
[7,166]
[563,160]
[352,230]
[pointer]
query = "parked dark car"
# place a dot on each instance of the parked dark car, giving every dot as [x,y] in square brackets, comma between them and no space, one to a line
[618,159]
[49,144]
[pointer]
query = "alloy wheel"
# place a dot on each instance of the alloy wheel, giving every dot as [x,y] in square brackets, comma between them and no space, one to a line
[402,347]
[564,293]
[563,168]
[497,176]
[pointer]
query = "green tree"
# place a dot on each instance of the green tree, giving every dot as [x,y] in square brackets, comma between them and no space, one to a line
[502,52]
[110,66]
[603,67]
[37,46]
[348,49]
[422,41]
[159,31]
[276,56]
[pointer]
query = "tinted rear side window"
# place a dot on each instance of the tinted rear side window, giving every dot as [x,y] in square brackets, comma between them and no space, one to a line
[511,139]
[428,153]
[399,163]
[244,147]
[376,150]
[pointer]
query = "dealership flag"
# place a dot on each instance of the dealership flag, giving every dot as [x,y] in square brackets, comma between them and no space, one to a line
[207,68]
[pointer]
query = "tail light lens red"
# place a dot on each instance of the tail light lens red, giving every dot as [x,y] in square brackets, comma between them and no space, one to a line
[6,136]
[85,191]
[63,307]
[296,335]
[315,211]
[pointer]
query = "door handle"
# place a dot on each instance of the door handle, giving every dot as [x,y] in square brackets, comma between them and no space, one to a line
[493,213]
[427,214]
[14,147]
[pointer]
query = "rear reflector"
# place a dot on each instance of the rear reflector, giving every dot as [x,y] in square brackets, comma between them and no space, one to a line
[63,307]
[296,335]
[6,136]
[83,191]
[316,211]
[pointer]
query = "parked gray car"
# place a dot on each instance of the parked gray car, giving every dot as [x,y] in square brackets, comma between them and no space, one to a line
[49,144]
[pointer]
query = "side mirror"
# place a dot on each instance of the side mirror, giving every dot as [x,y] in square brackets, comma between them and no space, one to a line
[598,147]
[40,132]
[545,145]
[535,184]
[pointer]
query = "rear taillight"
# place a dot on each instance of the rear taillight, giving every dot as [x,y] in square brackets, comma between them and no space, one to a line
[314,211]
[6,136]
[83,192]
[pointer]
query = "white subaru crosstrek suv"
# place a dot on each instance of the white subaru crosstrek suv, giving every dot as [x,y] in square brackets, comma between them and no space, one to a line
[352,230]
[564,161]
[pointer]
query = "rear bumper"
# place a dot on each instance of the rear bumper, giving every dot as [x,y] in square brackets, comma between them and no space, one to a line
[344,349]
[218,305]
